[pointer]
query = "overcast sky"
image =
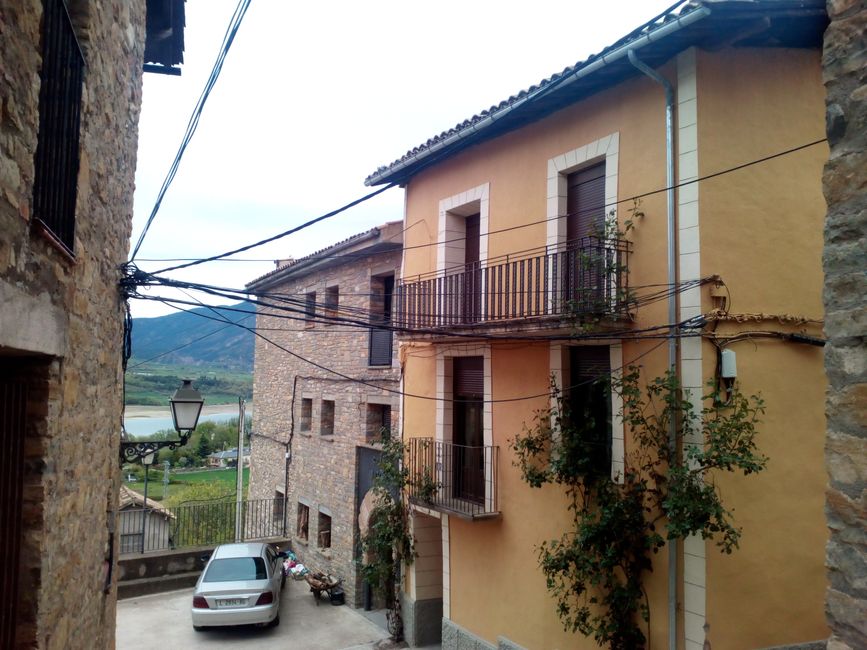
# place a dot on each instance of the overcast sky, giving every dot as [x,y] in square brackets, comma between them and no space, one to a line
[314,96]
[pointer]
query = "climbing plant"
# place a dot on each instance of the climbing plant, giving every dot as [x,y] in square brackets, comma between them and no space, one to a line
[596,569]
[388,542]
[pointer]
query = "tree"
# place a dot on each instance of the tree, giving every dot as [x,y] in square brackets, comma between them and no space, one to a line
[388,543]
[595,570]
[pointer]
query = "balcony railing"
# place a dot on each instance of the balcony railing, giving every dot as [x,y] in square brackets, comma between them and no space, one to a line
[197,524]
[453,478]
[582,278]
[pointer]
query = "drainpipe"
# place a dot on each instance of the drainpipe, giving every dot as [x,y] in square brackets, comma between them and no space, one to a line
[672,310]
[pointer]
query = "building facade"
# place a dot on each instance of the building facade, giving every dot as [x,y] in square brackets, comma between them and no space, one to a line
[325,383]
[845,294]
[69,110]
[527,249]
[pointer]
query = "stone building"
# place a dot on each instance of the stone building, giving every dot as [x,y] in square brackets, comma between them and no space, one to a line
[69,109]
[315,426]
[845,296]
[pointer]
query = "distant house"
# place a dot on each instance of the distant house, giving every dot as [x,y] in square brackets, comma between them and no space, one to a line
[228,458]
[334,423]
[155,530]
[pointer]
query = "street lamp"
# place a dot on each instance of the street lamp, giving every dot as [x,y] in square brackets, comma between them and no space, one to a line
[186,406]
[147,460]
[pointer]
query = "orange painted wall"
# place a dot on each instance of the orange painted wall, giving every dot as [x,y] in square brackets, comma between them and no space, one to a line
[496,586]
[761,230]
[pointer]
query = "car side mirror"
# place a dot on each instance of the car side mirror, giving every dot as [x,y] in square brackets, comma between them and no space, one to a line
[204,557]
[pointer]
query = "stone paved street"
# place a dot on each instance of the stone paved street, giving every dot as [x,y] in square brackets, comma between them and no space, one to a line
[163,621]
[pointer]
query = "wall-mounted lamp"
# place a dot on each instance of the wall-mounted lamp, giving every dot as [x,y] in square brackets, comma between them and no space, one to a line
[186,406]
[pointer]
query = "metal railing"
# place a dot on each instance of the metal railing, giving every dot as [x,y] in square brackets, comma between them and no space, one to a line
[198,524]
[453,478]
[57,157]
[584,277]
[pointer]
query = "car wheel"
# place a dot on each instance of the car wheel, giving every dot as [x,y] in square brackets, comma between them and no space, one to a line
[275,622]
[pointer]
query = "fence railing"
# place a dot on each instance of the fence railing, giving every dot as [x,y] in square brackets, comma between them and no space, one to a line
[453,478]
[584,277]
[198,524]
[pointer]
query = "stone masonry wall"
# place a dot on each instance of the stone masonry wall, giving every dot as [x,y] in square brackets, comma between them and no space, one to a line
[322,474]
[61,323]
[845,296]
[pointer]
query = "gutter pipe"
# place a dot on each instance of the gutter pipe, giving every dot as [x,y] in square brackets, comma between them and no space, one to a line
[673,333]
[666,29]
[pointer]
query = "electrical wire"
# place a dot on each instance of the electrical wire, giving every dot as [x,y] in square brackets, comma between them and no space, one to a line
[193,122]
[604,206]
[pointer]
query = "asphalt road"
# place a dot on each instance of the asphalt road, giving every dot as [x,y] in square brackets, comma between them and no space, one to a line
[162,622]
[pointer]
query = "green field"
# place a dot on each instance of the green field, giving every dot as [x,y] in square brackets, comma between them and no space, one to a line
[178,480]
[152,384]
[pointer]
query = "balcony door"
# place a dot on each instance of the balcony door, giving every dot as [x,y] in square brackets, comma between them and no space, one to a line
[584,259]
[471,290]
[468,469]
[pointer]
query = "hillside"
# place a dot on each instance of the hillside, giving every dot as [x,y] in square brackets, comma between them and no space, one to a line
[194,339]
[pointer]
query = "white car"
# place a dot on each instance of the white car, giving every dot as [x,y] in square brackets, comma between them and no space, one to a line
[240,585]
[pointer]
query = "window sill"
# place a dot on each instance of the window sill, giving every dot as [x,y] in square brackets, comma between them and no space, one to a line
[302,541]
[305,434]
[45,233]
[327,437]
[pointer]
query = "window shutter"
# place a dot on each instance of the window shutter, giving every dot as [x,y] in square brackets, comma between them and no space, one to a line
[585,203]
[590,362]
[379,349]
[469,376]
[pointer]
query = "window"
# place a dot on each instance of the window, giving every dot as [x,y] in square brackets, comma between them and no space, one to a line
[588,405]
[380,339]
[378,421]
[326,418]
[468,467]
[57,158]
[306,414]
[323,539]
[310,308]
[332,300]
[303,522]
[235,569]
[279,504]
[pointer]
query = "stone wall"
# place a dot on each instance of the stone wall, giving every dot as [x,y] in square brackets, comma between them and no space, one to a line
[845,295]
[323,470]
[61,322]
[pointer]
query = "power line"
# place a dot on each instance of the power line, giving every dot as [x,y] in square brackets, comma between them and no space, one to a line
[193,123]
[603,206]
[286,233]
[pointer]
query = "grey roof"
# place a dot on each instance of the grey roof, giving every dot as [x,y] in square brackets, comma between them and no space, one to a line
[231,454]
[707,23]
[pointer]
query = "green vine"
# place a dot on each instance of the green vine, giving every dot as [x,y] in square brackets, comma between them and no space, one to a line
[595,571]
[388,542]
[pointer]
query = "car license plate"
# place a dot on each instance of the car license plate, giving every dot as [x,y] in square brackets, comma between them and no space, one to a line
[230,602]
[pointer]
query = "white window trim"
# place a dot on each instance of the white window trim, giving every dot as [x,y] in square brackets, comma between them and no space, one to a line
[451,211]
[605,149]
[444,410]
[618,439]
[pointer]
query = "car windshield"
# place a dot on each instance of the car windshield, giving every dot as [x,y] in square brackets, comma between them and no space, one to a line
[236,568]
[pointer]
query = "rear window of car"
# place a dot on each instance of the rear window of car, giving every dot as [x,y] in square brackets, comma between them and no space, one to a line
[236,568]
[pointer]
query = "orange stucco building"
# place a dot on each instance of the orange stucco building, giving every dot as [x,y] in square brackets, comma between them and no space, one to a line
[524,207]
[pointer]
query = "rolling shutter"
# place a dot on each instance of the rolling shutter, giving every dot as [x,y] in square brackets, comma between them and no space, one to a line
[469,377]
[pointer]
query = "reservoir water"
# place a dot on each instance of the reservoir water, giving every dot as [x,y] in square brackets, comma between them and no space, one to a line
[148,425]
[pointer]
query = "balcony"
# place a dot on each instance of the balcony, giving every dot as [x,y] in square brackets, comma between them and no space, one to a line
[453,479]
[584,278]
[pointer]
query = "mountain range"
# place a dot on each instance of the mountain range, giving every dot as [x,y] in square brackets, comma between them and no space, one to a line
[197,337]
